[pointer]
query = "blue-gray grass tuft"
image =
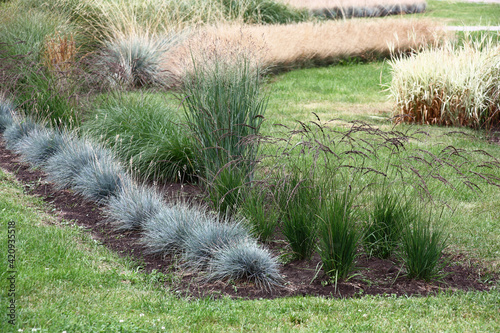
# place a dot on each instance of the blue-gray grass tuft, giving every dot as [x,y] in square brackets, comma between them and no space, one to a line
[245,260]
[6,114]
[167,231]
[17,131]
[133,206]
[39,145]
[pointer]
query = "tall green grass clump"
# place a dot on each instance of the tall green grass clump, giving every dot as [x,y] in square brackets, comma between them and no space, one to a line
[224,106]
[387,220]
[260,212]
[338,236]
[263,11]
[145,132]
[423,244]
[453,84]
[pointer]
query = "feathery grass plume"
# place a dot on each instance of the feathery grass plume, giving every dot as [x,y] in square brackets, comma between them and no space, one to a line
[358,8]
[245,260]
[282,47]
[465,92]
[388,217]
[132,206]
[423,246]
[167,231]
[338,236]
[39,145]
[205,239]
[100,179]
[18,130]
[224,107]
[66,163]
[6,114]
[143,131]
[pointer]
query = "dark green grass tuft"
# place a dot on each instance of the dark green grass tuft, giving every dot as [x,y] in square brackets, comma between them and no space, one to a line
[338,236]
[245,260]
[132,206]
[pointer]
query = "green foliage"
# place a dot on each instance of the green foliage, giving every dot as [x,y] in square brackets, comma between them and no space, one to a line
[224,105]
[260,212]
[263,11]
[423,246]
[387,220]
[245,260]
[145,132]
[338,236]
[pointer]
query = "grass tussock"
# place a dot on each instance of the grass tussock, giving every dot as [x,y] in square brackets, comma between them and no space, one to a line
[304,44]
[454,84]
[359,8]
[39,145]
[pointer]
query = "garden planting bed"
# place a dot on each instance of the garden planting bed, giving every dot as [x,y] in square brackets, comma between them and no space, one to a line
[372,277]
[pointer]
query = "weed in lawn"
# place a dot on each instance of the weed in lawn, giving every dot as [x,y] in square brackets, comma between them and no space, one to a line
[245,260]
[132,206]
[338,235]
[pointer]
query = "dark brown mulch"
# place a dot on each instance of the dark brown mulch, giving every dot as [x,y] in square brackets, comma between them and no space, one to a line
[373,276]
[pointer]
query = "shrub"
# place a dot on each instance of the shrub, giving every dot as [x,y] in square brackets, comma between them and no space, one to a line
[100,179]
[39,145]
[465,92]
[224,105]
[423,249]
[65,165]
[168,231]
[146,132]
[133,206]
[338,236]
[388,218]
[205,239]
[245,260]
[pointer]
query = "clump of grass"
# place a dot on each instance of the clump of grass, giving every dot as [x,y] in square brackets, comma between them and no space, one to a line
[423,248]
[223,104]
[245,260]
[260,212]
[207,238]
[299,211]
[132,206]
[17,131]
[465,92]
[39,145]
[100,179]
[6,114]
[168,231]
[388,218]
[65,165]
[338,236]
[145,132]
[262,11]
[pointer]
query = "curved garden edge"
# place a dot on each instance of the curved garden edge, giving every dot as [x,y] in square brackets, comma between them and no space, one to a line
[302,278]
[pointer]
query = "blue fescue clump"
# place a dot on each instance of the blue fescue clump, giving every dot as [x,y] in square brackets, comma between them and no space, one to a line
[100,179]
[168,230]
[6,114]
[17,131]
[132,206]
[65,165]
[208,238]
[39,145]
[245,260]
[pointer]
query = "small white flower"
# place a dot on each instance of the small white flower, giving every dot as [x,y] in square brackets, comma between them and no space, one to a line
[64,332]
[121,320]
[163,327]
[365,315]
[141,315]
[20,330]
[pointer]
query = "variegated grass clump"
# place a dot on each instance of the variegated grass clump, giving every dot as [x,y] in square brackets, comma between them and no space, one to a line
[453,84]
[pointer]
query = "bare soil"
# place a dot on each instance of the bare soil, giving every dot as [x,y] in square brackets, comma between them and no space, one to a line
[372,277]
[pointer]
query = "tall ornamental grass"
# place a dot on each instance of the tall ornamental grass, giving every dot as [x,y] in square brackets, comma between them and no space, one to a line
[224,105]
[455,84]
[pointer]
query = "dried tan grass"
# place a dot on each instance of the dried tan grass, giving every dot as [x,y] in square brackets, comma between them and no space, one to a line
[297,45]
[328,4]
[59,52]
